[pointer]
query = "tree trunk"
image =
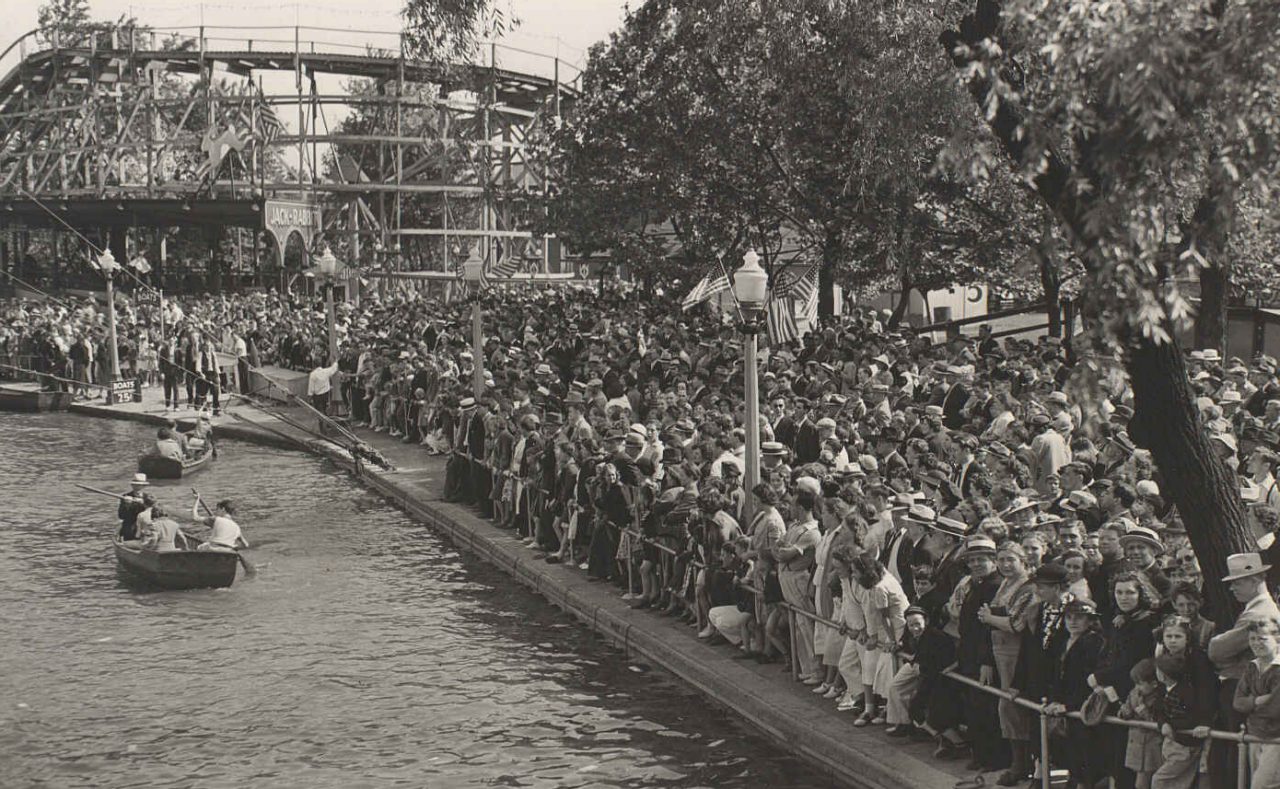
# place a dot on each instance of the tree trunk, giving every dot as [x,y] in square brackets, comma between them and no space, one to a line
[1211,319]
[1050,280]
[1165,421]
[900,309]
[827,282]
[1206,493]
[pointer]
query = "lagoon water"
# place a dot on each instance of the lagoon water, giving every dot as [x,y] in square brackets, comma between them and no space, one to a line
[366,651]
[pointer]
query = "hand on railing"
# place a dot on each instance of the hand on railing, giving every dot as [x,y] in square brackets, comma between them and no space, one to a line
[987,675]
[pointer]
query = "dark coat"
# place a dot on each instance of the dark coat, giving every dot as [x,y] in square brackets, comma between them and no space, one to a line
[1070,685]
[1043,643]
[1126,644]
[807,445]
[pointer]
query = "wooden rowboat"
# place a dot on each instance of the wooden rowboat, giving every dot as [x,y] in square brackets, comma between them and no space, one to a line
[177,569]
[30,397]
[156,467]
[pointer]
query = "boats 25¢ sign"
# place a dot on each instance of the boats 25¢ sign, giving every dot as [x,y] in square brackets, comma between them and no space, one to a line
[283,218]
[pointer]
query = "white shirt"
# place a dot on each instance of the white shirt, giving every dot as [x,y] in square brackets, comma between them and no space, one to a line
[318,381]
[224,531]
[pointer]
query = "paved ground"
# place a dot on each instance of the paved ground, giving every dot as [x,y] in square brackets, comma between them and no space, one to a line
[764,695]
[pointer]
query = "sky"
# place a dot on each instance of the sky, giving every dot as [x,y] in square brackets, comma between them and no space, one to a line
[563,29]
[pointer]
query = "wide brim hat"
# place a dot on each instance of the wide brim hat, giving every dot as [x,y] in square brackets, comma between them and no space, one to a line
[1244,565]
[1095,708]
[139,480]
[922,514]
[951,526]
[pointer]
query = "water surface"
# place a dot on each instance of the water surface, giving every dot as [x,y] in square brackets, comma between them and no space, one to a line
[366,652]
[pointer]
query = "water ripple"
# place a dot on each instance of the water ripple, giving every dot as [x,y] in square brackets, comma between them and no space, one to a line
[366,653]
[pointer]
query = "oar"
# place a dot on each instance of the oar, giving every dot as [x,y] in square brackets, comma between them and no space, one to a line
[100,490]
[92,489]
[249,569]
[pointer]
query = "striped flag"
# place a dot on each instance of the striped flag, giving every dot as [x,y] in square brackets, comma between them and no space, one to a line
[506,267]
[714,282]
[802,287]
[782,321]
[269,124]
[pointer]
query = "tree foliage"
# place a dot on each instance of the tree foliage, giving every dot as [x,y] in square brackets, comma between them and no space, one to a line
[808,127]
[448,30]
[66,21]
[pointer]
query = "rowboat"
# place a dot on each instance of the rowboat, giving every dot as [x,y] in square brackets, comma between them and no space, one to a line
[30,397]
[156,467]
[177,569]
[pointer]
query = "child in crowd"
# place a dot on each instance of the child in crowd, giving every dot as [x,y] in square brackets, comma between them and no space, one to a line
[1184,723]
[1256,698]
[1143,753]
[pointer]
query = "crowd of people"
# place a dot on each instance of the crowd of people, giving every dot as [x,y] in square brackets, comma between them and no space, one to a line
[186,346]
[970,506]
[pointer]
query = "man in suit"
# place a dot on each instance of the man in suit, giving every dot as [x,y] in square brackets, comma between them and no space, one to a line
[899,552]
[954,398]
[784,425]
[170,371]
[807,446]
[481,482]
[458,468]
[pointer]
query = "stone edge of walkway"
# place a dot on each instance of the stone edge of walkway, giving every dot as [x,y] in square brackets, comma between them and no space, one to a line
[771,708]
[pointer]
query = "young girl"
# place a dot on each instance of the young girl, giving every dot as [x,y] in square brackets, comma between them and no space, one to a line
[1069,688]
[1143,754]
[1184,713]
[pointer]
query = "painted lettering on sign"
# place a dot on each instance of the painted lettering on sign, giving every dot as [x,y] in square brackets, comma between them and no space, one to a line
[290,215]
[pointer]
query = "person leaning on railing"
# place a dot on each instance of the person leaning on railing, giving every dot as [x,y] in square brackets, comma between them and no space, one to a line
[1257,699]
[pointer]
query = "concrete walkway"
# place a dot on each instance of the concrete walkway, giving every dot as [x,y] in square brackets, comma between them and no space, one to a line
[765,695]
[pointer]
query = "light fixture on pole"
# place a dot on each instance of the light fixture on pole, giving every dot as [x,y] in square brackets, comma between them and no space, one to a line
[473,275]
[751,286]
[107,264]
[326,274]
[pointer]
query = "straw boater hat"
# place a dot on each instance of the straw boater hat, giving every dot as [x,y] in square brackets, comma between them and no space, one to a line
[139,480]
[978,546]
[1143,535]
[921,514]
[1243,565]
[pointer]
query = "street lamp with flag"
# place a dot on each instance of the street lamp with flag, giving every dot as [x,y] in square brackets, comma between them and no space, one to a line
[750,288]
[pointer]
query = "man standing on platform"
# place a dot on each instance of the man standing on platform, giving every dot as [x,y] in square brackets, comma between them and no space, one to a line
[320,387]
[458,470]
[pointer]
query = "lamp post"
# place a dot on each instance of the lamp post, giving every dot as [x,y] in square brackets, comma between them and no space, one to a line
[326,273]
[473,274]
[108,266]
[750,285]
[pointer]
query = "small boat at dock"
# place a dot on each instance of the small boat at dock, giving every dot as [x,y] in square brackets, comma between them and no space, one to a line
[29,397]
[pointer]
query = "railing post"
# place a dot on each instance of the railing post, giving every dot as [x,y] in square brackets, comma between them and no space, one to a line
[631,584]
[1242,762]
[791,631]
[1046,769]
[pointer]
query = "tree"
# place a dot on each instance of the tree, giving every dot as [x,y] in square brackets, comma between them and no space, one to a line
[64,21]
[1110,111]
[446,30]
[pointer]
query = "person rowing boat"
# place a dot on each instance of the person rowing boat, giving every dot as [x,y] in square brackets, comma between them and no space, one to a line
[133,504]
[224,532]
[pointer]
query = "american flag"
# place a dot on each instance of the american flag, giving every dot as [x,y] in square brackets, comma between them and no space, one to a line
[801,285]
[782,320]
[715,281]
[506,267]
[269,124]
